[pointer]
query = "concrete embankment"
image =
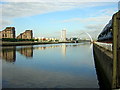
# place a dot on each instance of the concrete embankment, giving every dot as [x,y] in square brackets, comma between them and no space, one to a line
[108,63]
[104,64]
[28,43]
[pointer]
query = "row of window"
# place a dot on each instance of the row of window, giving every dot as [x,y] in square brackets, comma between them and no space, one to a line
[7,35]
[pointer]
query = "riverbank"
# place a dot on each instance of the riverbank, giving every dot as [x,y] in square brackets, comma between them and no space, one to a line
[28,43]
[103,59]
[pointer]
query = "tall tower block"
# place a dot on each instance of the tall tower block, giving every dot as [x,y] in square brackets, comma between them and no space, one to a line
[63,35]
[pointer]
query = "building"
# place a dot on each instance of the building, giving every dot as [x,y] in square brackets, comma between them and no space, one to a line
[63,35]
[28,34]
[9,32]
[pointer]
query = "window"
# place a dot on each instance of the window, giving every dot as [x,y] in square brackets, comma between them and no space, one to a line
[5,35]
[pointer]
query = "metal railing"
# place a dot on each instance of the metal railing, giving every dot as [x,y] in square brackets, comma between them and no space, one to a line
[107,46]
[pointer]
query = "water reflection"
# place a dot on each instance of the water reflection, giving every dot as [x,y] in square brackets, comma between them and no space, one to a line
[64,49]
[51,66]
[9,53]
[26,51]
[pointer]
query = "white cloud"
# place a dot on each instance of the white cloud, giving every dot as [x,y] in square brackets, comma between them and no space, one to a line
[60,0]
[109,11]
[102,16]
[18,9]
[92,25]
[119,5]
[93,20]
[5,22]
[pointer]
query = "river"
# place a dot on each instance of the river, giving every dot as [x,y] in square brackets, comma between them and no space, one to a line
[49,66]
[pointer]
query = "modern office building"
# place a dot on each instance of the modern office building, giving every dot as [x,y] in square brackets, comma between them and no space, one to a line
[63,35]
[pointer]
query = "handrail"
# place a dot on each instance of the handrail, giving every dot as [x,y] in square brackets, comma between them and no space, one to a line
[107,46]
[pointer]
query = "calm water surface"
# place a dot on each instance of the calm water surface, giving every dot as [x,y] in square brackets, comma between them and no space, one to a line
[49,66]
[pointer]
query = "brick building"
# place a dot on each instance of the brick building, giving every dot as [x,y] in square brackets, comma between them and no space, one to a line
[9,32]
[28,34]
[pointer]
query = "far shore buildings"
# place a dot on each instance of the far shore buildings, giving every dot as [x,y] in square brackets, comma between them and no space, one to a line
[46,39]
[28,34]
[9,32]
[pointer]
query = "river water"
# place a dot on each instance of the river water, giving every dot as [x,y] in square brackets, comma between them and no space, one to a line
[49,66]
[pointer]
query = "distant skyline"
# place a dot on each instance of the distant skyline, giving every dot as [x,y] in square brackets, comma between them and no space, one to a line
[48,18]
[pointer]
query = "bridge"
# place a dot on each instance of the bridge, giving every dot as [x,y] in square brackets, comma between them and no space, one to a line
[90,37]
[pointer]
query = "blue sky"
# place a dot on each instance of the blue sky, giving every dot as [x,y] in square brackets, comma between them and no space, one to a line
[47,19]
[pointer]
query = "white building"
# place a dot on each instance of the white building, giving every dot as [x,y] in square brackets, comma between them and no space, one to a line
[63,35]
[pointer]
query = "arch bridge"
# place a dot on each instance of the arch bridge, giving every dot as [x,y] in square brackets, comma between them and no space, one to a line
[90,37]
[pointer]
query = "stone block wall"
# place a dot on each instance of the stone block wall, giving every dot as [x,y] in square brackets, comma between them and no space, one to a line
[9,32]
[28,34]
